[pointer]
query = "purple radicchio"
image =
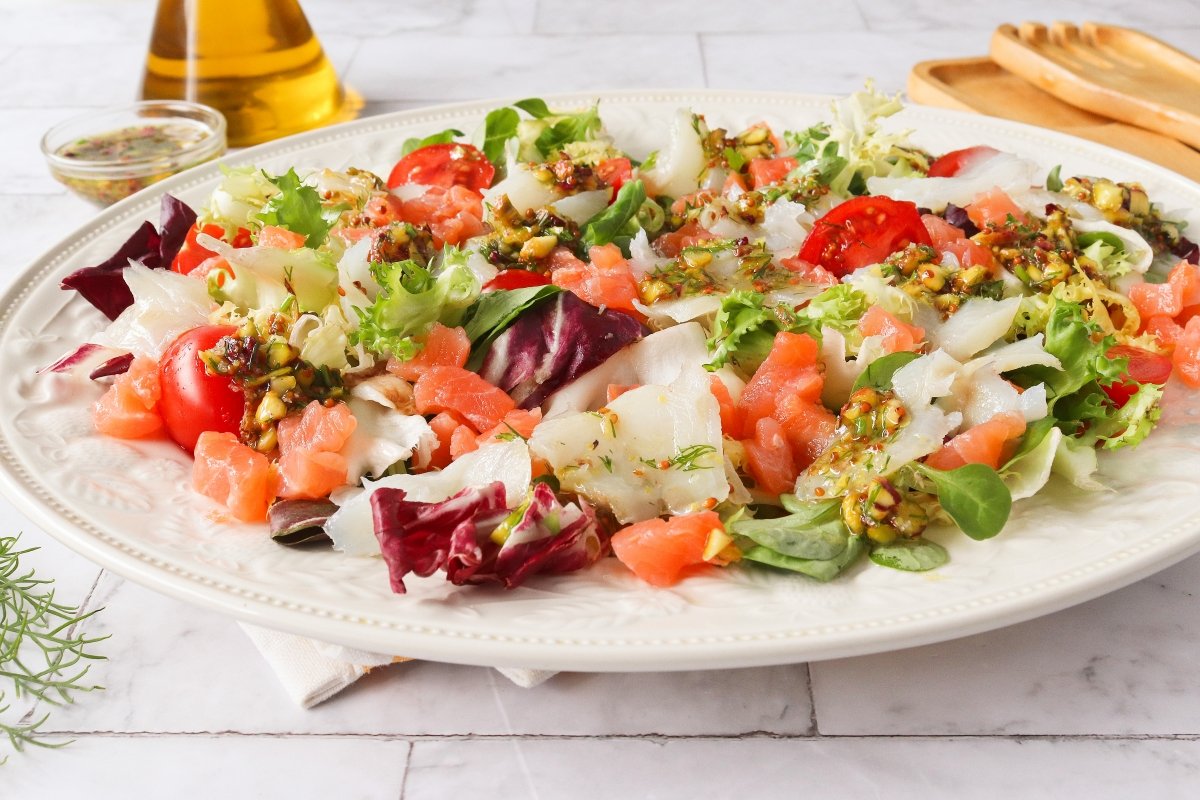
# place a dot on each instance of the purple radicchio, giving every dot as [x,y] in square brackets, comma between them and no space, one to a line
[1188,250]
[553,344]
[475,539]
[103,285]
[97,360]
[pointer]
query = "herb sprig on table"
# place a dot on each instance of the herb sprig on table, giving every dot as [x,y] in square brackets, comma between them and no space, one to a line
[43,655]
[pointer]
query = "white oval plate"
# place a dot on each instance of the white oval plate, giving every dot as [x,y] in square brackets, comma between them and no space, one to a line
[127,505]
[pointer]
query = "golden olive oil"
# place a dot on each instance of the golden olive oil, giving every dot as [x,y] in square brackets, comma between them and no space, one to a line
[257,61]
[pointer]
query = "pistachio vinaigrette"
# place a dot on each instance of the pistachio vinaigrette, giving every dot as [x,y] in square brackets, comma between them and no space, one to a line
[798,350]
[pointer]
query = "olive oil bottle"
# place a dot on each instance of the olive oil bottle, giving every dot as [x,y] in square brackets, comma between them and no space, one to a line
[257,61]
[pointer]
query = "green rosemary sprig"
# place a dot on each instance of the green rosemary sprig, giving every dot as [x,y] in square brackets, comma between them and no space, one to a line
[42,654]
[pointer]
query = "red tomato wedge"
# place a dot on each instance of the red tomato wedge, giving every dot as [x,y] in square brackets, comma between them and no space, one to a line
[194,401]
[445,165]
[1144,367]
[192,254]
[516,279]
[862,231]
[614,172]
[956,161]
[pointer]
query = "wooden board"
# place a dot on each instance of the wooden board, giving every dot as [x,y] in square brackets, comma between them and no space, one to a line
[981,85]
[1117,72]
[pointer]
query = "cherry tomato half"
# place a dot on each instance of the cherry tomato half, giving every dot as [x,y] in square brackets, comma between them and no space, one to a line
[614,172]
[444,165]
[192,254]
[1144,367]
[956,161]
[862,231]
[516,279]
[193,400]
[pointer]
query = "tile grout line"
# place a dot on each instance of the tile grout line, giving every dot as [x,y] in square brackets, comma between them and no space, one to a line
[407,764]
[414,739]
[814,729]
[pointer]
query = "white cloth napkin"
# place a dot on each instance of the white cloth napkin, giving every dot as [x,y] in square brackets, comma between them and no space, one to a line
[312,672]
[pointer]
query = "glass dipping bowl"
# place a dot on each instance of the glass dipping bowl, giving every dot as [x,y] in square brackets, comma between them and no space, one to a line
[106,155]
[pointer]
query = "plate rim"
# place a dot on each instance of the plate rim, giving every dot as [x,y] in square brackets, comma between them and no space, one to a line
[964,618]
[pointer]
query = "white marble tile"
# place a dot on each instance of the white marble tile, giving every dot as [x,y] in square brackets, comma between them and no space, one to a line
[22,165]
[116,22]
[680,16]
[52,74]
[926,15]
[386,18]
[210,767]
[819,62]
[1122,664]
[418,67]
[837,769]
[159,645]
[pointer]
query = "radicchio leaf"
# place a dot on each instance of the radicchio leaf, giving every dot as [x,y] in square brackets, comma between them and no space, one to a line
[550,538]
[299,521]
[554,343]
[117,365]
[175,219]
[98,360]
[456,535]
[422,538]
[1188,250]
[103,285]
[958,218]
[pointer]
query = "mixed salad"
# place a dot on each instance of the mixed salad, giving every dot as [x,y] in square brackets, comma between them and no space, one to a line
[526,349]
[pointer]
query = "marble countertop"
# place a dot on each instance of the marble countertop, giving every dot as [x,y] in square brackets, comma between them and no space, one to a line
[1101,700]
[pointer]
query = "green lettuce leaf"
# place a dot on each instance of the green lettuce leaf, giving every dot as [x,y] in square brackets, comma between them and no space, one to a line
[298,208]
[838,307]
[854,146]
[1132,422]
[411,298]
[744,330]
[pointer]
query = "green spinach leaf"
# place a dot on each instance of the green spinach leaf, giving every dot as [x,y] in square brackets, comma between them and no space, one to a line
[910,555]
[494,311]
[443,137]
[618,220]
[820,570]
[974,497]
[814,533]
[499,127]
[878,374]
[1054,180]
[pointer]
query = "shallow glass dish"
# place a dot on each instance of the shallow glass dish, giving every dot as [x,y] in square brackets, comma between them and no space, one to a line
[105,156]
